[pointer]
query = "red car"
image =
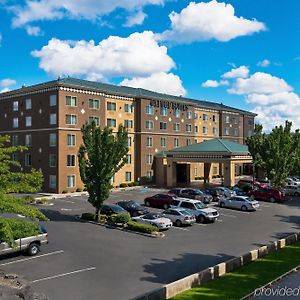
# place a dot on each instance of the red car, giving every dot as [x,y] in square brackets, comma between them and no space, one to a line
[249,182]
[160,200]
[268,194]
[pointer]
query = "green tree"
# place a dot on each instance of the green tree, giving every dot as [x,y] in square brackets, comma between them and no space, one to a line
[101,155]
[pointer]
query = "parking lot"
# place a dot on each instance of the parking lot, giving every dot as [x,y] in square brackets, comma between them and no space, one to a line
[85,261]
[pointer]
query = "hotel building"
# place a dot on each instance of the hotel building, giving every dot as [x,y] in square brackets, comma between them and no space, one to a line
[47,118]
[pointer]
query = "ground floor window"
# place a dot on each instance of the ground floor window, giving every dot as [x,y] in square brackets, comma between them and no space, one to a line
[52,181]
[128,176]
[71,181]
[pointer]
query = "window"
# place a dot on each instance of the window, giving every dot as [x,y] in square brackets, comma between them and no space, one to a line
[214,118]
[129,141]
[204,130]
[94,103]
[111,106]
[177,113]
[15,140]
[195,172]
[226,131]
[71,101]
[227,119]
[71,181]
[71,160]
[15,156]
[163,111]
[15,105]
[111,122]
[215,130]
[149,174]
[236,132]
[52,181]
[52,119]
[52,160]
[215,170]
[149,124]
[196,128]
[128,123]
[95,119]
[163,142]
[188,128]
[176,142]
[52,139]
[53,103]
[128,159]
[189,114]
[205,117]
[128,176]
[188,142]
[235,120]
[28,121]
[28,140]
[15,122]
[71,140]
[176,127]
[128,108]
[250,122]
[27,159]
[196,116]
[250,132]
[149,159]
[149,110]
[28,103]
[163,125]
[71,119]
[149,142]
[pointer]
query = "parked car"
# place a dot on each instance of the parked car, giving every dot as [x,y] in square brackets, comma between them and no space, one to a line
[292,181]
[192,194]
[111,209]
[216,193]
[30,245]
[246,182]
[154,219]
[179,216]
[239,202]
[160,200]
[226,191]
[292,190]
[267,194]
[134,208]
[238,191]
[202,212]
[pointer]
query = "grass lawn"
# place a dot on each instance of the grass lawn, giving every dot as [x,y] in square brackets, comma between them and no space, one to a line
[239,283]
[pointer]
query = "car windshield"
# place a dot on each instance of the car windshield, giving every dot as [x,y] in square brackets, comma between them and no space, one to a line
[117,209]
[197,192]
[249,199]
[133,204]
[200,205]
[185,212]
[152,216]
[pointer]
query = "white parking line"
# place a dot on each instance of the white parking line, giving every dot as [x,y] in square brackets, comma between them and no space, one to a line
[64,274]
[180,228]
[70,209]
[264,205]
[200,224]
[219,220]
[230,216]
[34,257]
[67,201]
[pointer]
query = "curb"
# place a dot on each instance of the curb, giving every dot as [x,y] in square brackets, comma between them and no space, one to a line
[252,294]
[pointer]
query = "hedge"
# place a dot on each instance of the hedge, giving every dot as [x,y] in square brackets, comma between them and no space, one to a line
[135,226]
[120,218]
[88,217]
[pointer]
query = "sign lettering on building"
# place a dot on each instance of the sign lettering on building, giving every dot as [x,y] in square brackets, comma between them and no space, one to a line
[168,104]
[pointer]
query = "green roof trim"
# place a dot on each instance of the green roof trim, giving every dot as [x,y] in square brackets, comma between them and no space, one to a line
[214,146]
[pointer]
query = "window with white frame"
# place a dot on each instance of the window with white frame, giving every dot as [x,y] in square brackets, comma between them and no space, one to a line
[149,159]
[71,140]
[226,131]
[71,160]
[163,125]
[95,119]
[15,122]
[129,141]
[215,131]
[149,174]
[15,105]
[128,123]
[28,141]
[188,127]
[196,128]
[215,170]
[52,139]
[177,113]
[149,110]
[235,120]
[227,119]
[52,119]
[215,118]
[94,103]
[52,100]
[149,142]
[15,140]
[15,156]
[176,142]
[189,114]
[204,130]
[28,104]
[52,160]
[128,108]
[163,111]
[149,124]
[128,159]
[196,117]
[71,119]
[163,142]
[111,106]
[127,176]
[188,142]
[71,101]
[52,181]
[111,122]
[236,132]
[71,181]
[205,117]
[28,121]
[176,127]
[195,172]
[28,160]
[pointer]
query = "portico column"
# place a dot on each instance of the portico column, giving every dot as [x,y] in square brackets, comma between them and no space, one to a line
[229,174]
[171,173]
[207,172]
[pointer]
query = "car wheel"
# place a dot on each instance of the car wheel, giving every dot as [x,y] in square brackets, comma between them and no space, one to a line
[147,203]
[166,206]
[272,200]
[296,194]
[201,219]
[244,208]
[178,223]
[222,204]
[33,249]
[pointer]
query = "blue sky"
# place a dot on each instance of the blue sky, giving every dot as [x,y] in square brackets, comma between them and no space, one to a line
[242,53]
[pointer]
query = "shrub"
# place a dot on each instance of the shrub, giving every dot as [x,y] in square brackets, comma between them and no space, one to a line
[84,189]
[65,192]
[130,184]
[120,218]
[43,200]
[88,217]
[122,185]
[111,186]
[136,183]
[103,218]
[135,226]
[79,189]
[28,199]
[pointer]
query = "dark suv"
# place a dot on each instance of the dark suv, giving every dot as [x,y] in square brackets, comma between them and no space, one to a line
[267,194]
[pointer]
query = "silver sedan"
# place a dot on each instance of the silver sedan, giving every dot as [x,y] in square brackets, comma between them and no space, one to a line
[154,219]
[239,202]
[179,216]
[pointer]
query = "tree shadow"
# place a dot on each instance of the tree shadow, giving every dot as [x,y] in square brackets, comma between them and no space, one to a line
[295,220]
[165,271]
[56,216]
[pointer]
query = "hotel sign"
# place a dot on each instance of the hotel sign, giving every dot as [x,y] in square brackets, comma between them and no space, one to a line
[168,104]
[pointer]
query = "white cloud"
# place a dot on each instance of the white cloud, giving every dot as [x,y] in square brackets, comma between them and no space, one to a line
[159,82]
[260,83]
[4,90]
[138,55]
[214,83]
[264,63]
[7,82]
[241,72]
[33,30]
[204,21]
[40,10]
[136,19]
